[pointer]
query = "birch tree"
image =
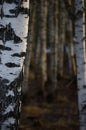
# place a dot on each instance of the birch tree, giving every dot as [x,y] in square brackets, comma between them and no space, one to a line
[13,41]
[79,42]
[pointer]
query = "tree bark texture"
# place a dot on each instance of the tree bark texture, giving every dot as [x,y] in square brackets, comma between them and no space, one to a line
[13,40]
[79,42]
[30,39]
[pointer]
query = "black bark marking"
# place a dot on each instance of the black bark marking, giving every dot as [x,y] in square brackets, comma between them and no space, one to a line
[84,108]
[2,47]
[16,11]
[0,61]
[19,10]
[12,74]
[84,86]
[5,81]
[1,13]
[13,1]
[10,65]
[24,10]
[17,39]
[7,33]
[19,55]
[79,78]
[79,14]
[9,1]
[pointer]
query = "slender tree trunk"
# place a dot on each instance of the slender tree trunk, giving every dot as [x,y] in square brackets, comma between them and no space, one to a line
[62,36]
[70,47]
[38,48]
[30,44]
[43,32]
[79,41]
[73,61]
[69,4]
[51,38]
[34,52]
[54,45]
[13,33]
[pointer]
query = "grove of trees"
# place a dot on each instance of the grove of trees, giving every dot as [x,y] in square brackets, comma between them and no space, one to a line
[59,31]
[54,40]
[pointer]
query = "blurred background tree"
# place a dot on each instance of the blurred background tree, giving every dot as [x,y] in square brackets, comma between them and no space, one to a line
[57,56]
[52,49]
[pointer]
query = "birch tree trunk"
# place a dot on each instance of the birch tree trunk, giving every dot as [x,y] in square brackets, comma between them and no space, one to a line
[79,41]
[13,40]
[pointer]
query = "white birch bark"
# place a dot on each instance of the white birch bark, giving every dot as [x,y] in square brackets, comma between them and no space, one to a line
[13,41]
[79,41]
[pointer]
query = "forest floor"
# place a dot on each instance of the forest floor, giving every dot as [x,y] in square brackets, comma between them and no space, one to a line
[57,113]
